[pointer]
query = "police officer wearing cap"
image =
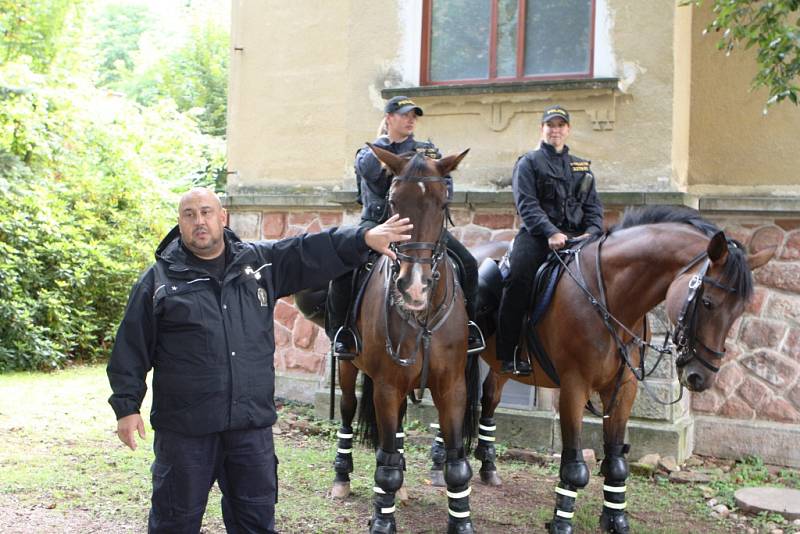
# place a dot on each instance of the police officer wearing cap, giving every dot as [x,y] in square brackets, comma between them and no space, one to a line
[396,134]
[556,198]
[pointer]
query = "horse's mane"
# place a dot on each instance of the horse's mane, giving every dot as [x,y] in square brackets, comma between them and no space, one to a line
[736,273]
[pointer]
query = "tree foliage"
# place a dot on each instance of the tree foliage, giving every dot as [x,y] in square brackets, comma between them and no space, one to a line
[118,29]
[773,28]
[88,180]
[32,28]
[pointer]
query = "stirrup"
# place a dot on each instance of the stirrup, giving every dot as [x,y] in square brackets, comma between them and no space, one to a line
[343,355]
[521,368]
[475,350]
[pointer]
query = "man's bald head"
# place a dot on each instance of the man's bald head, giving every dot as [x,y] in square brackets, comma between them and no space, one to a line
[201,219]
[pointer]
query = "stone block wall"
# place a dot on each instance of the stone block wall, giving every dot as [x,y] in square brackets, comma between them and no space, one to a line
[759,382]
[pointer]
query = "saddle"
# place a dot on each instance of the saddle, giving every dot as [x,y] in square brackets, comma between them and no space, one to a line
[490,291]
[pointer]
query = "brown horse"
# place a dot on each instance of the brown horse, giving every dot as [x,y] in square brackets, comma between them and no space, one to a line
[413,326]
[594,321]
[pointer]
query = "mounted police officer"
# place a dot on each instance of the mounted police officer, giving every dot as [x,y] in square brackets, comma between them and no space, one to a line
[202,318]
[556,198]
[396,134]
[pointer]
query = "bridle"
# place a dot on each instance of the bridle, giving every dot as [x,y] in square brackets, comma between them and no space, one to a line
[432,319]
[684,334]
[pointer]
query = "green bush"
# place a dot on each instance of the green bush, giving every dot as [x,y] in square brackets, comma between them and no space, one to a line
[87,189]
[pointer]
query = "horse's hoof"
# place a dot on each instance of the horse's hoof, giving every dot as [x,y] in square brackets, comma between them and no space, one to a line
[558,526]
[340,490]
[401,494]
[463,527]
[616,523]
[379,525]
[490,478]
[437,479]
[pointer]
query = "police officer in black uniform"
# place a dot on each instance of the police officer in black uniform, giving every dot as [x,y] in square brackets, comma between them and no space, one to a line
[202,318]
[397,136]
[556,198]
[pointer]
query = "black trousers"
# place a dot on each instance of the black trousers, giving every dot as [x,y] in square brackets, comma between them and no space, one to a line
[340,290]
[528,253]
[244,464]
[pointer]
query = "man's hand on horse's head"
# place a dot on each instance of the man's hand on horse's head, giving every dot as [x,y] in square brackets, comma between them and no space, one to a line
[127,426]
[394,229]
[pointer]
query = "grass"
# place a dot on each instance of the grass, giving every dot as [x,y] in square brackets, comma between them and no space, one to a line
[58,449]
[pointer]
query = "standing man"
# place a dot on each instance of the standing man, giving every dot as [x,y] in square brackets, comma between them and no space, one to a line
[395,134]
[556,198]
[202,318]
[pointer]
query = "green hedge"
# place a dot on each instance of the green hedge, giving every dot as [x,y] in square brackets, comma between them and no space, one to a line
[88,185]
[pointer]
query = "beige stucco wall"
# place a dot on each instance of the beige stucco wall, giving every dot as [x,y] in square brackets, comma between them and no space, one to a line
[305,94]
[734,146]
[306,82]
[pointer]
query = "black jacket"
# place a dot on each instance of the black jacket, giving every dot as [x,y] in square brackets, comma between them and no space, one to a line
[211,343]
[556,193]
[374,181]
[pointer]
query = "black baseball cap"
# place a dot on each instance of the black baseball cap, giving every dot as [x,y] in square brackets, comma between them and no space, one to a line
[402,104]
[553,112]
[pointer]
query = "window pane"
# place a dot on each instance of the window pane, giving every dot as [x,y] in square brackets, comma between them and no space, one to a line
[557,36]
[460,39]
[507,17]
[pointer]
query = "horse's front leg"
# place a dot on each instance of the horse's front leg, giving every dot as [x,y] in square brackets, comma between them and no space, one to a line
[614,466]
[574,473]
[485,451]
[451,402]
[343,464]
[389,469]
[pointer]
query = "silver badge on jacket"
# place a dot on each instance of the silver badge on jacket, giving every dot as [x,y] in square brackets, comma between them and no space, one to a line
[262,297]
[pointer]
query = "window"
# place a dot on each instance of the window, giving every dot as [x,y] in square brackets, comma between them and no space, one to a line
[484,41]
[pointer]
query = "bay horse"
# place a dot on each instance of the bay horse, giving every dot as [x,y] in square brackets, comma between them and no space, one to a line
[654,254]
[413,327]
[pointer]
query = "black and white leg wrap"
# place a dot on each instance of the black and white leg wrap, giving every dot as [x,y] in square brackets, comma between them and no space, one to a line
[485,451]
[343,464]
[438,453]
[615,470]
[457,474]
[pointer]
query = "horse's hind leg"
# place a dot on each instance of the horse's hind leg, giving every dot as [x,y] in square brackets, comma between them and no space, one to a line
[614,466]
[438,457]
[343,464]
[485,452]
[573,474]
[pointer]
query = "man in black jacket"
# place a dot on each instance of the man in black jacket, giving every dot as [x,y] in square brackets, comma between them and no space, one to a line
[202,318]
[556,198]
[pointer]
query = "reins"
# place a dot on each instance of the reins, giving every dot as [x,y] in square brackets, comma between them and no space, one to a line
[432,319]
[683,333]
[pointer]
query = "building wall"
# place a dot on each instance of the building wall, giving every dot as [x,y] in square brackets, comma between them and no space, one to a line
[734,146]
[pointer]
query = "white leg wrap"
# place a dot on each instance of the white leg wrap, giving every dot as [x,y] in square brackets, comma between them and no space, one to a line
[377,489]
[400,435]
[344,436]
[460,494]
[614,489]
[485,438]
[488,428]
[565,515]
[344,451]
[615,505]
[458,515]
[566,493]
[435,426]
[389,510]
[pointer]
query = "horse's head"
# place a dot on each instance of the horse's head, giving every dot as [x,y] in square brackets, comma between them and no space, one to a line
[704,301]
[419,192]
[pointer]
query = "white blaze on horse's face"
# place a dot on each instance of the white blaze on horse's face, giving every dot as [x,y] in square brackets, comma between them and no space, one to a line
[416,294]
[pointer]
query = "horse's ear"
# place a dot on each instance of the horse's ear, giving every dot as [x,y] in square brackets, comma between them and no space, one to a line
[390,159]
[448,164]
[754,261]
[718,248]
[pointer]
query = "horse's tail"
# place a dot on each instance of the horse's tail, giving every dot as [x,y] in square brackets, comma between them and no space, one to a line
[472,374]
[367,426]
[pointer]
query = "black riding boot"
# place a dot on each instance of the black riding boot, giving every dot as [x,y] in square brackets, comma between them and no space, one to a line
[341,336]
[475,340]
